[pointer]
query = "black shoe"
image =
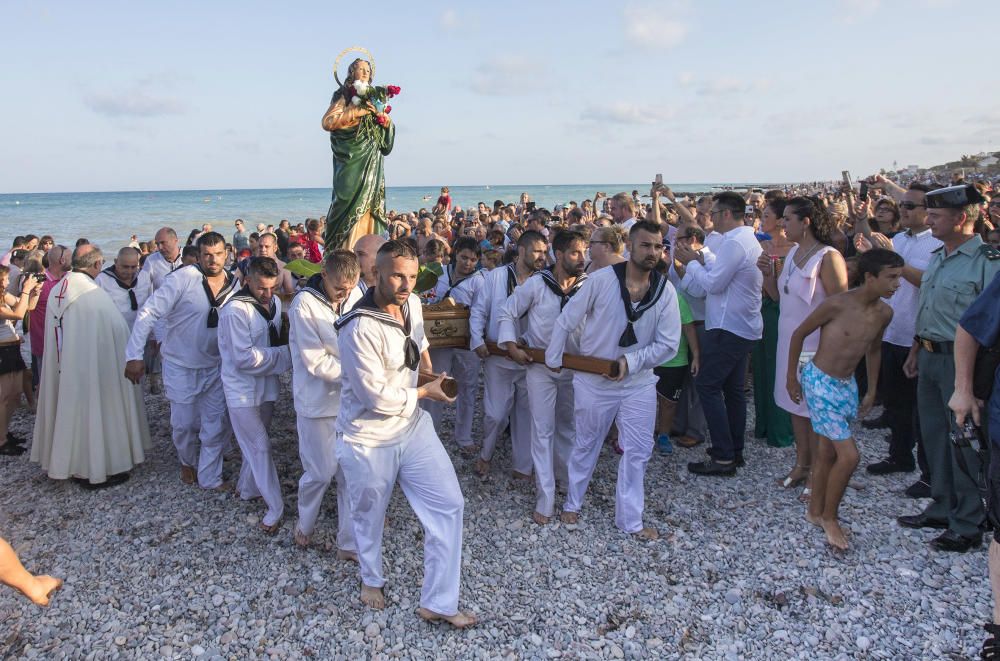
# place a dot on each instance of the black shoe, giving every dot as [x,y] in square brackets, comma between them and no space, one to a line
[14,439]
[112,480]
[881,422]
[9,449]
[921,520]
[919,489]
[887,466]
[739,460]
[712,467]
[955,543]
[991,646]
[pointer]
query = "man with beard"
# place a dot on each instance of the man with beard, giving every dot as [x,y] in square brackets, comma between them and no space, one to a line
[253,357]
[385,436]
[316,384]
[187,306]
[629,314]
[505,394]
[127,286]
[550,395]
[461,282]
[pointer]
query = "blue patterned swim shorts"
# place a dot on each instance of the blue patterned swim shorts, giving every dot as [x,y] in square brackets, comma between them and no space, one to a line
[832,402]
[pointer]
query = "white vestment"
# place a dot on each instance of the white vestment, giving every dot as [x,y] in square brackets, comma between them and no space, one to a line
[128,297]
[316,388]
[599,308]
[505,393]
[250,370]
[385,438]
[461,364]
[91,422]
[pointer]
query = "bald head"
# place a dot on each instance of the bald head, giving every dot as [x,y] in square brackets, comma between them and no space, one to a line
[166,243]
[366,248]
[127,264]
[89,259]
[58,259]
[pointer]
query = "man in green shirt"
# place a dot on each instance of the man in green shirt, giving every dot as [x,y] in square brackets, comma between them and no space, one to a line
[959,270]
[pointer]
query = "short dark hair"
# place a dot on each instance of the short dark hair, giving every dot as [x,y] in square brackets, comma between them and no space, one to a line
[564,239]
[342,264]
[917,186]
[820,222]
[396,248]
[468,243]
[18,241]
[530,236]
[692,231]
[189,251]
[643,226]
[434,248]
[877,259]
[731,202]
[210,239]
[778,205]
[262,267]
[774,194]
[312,224]
[541,215]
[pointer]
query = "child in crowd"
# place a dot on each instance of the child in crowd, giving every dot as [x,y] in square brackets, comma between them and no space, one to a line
[851,326]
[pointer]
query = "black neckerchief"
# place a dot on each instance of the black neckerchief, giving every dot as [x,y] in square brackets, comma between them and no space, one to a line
[511,278]
[133,302]
[454,286]
[549,279]
[273,334]
[314,286]
[656,286]
[214,301]
[366,307]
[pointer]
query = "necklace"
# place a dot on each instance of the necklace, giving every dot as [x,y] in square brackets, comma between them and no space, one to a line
[794,264]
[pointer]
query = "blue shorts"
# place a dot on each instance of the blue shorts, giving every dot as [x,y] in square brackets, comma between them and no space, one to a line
[832,402]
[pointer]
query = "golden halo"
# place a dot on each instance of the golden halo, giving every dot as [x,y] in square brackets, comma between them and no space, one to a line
[352,49]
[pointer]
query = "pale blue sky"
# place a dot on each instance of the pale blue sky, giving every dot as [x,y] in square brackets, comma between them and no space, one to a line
[165,95]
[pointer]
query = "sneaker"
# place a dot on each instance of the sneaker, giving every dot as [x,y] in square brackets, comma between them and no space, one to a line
[663,445]
[919,489]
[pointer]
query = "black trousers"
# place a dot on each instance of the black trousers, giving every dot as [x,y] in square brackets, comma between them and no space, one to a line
[899,396]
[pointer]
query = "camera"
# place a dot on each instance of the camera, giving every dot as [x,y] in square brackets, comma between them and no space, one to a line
[40,277]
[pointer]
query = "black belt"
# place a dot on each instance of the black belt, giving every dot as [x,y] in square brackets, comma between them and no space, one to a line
[936,347]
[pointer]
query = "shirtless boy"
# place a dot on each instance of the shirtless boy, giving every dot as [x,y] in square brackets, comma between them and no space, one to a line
[851,326]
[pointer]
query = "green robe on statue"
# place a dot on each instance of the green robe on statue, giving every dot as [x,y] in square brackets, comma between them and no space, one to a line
[357,206]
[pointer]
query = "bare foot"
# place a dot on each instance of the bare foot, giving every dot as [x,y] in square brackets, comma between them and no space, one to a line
[569,517]
[482,467]
[270,529]
[647,533]
[348,556]
[459,620]
[372,597]
[225,487]
[42,589]
[813,519]
[301,539]
[539,519]
[188,474]
[520,476]
[835,537]
[468,451]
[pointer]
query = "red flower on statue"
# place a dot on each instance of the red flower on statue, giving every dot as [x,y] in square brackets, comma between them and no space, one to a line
[388,109]
[392,90]
[382,120]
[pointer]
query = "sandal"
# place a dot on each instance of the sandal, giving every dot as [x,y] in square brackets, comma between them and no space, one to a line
[805,495]
[790,483]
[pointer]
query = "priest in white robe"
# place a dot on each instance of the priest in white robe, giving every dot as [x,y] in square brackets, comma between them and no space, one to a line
[91,423]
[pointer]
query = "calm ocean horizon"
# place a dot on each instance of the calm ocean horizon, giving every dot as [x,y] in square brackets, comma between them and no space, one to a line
[110,218]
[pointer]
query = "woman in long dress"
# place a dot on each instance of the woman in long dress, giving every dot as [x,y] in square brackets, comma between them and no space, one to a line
[357,206]
[813,270]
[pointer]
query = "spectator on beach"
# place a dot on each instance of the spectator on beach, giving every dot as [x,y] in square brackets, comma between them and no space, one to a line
[606,247]
[283,232]
[313,241]
[12,309]
[241,239]
[57,265]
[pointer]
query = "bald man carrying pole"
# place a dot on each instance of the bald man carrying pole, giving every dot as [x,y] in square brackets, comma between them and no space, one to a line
[127,286]
[159,265]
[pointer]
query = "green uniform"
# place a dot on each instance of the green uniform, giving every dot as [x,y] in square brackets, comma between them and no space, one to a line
[948,287]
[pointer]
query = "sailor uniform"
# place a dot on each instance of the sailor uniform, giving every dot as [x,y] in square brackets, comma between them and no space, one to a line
[505,391]
[385,437]
[316,381]
[188,312]
[538,303]
[128,297]
[646,334]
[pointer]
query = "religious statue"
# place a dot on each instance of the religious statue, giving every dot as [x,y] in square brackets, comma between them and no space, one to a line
[361,135]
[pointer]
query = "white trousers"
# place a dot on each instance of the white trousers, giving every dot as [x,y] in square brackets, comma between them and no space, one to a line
[463,366]
[317,450]
[198,412]
[258,476]
[505,398]
[425,474]
[550,397]
[634,410]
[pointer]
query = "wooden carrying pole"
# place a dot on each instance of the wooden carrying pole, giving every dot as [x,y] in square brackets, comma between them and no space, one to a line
[569,361]
[449,385]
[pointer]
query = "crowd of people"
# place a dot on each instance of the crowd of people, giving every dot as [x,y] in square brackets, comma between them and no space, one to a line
[829,301]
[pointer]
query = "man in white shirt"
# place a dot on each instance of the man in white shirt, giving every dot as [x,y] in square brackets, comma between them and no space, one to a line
[733,323]
[462,283]
[127,286]
[386,437]
[253,356]
[539,301]
[629,314]
[915,245]
[690,419]
[187,306]
[505,392]
[316,381]
[159,265]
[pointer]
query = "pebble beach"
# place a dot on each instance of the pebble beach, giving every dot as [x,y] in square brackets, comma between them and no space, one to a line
[156,569]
